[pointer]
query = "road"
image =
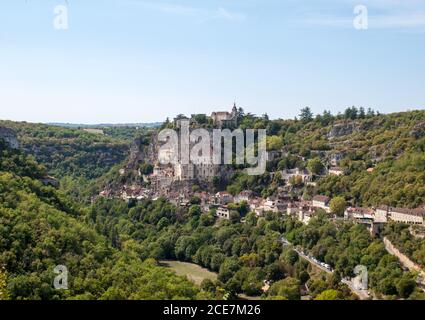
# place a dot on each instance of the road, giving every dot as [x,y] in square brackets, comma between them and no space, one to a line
[362,294]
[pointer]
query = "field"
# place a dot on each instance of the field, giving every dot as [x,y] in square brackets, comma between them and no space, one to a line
[94,131]
[192,271]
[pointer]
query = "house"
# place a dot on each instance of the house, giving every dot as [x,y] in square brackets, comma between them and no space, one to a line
[409,216]
[305,212]
[292,208]
[381,214]
[270,204]
[337,171]
[245,195]
[359,214]
[274,204]
[322,202]
[255,204]
[223,197]
[291,173]
[223,212]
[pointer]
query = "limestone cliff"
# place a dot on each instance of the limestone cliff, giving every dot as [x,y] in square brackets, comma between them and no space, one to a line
[9,136]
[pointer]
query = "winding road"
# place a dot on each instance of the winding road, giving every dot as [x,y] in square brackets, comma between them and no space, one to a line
[362,294]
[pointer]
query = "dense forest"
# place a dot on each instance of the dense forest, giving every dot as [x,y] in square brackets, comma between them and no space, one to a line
[245,254]
[40,228]
[406,242]
[70,152]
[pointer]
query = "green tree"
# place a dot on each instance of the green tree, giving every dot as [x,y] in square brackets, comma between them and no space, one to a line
[338,205]
[288,288]
[405,287]
[315,166]
[330,294]
[274,142]
[306,115]
[3,285]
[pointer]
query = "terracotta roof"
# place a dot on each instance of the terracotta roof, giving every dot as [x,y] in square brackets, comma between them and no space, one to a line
[360,210]
[414,212]
[320,198]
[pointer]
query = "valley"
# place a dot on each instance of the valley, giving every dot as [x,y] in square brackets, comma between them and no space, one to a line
[104,206]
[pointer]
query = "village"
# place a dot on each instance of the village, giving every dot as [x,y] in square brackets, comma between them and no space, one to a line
[303,210]
[182,183]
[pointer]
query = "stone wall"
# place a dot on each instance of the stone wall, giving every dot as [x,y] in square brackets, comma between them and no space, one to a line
[405,261]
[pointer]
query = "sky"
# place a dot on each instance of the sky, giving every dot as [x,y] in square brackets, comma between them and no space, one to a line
[133,61]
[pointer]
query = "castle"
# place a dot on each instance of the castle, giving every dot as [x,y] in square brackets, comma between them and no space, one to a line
[226,119]
[219,119]
[164,176]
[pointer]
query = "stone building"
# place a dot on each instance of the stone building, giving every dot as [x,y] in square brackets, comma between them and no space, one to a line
[401,215]
[184,172]
[223,212]
[224,119]
[381,214]
[322,202]
[409,216]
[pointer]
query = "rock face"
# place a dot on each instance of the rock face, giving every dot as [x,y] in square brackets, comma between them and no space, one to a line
[341,129]
[142,151]
[9,136]
[418,131]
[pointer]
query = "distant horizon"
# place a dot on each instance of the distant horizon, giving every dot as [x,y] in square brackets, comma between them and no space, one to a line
[151,123]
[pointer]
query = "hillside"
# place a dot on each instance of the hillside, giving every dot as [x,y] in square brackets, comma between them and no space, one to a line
[69,152]
[41,228]
[393,145]
[390,146]
[382,157]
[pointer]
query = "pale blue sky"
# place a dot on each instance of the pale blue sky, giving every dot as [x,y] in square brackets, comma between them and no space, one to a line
[141,61]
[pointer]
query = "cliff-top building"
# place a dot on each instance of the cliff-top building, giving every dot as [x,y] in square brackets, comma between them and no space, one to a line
[224,119]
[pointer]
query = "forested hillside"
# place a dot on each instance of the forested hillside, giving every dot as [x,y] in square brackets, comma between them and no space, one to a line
[383,156]
[41,228]
[246,254]
[69,151]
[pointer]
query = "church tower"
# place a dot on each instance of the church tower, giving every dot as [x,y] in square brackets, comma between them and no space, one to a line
[234,110]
